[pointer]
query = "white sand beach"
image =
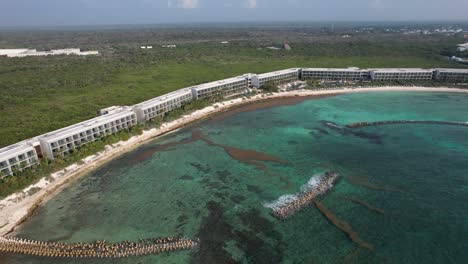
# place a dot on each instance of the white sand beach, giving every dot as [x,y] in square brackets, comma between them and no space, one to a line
[17,207]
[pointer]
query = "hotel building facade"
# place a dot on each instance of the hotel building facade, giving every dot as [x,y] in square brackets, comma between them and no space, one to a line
[17,157]
[348,74]
[63,141]
[117,118]
[159,106]
[224,87]
[288,75]
[401,74]
[458,75]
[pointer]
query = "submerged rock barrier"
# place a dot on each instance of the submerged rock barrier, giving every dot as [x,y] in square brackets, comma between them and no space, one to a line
[426,122]
[317,186]
[98,249]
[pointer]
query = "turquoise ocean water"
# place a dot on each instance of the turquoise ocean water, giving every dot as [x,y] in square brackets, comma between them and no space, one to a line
[414,177]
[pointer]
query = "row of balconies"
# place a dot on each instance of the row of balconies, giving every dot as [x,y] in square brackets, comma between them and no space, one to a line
[6,168]
[78,140]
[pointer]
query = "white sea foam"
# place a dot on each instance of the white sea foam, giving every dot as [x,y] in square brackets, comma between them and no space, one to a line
[280,202]
[318,184]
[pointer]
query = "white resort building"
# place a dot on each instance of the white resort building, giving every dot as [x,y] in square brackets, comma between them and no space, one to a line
[161,105]
[17,157]
[12,53]
[401,74]
[63,141]
[347,74]
[459,75]
[224,87]
[117,118]
[288,75]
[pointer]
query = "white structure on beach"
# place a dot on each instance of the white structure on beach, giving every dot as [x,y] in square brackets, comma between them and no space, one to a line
[401,74]
[17,157]
[159,106]
[63,141]
[346,74]
[288,75]
[458,75]
[12,53]
[117,118]
[224,87]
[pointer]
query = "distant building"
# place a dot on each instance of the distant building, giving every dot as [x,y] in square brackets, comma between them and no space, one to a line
[11,53]
[224,87]
[17,157]
[169,46]
[159,106]
[65,140]
[334,74]
[224,42]
[110,110]
[462,47]
[273,48]
[400,74]
[459,75]
[258,80]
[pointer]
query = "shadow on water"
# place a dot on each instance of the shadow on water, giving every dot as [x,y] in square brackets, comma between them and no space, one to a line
[345,131]
[343,226]
[363,182]
[365,204]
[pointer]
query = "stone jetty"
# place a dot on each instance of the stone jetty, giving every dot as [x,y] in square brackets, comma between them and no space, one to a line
[317,186]
[393,122]
[98,249]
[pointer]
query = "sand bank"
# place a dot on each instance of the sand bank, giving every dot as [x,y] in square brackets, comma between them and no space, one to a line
[17,207]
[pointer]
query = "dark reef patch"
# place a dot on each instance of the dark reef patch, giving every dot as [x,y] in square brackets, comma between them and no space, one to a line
[196,135]
[237,198]
[250,157]
[262,243]
[186,177]
[215,231]
[223,175]
[200,168]
[346,131]
[253,189]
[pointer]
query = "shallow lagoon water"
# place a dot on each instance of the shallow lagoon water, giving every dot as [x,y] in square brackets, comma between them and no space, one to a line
[415,175]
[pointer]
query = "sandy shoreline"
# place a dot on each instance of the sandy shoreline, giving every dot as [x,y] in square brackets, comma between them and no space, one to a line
[16,208]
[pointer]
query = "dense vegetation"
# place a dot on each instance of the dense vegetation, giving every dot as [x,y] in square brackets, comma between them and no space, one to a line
[38,95]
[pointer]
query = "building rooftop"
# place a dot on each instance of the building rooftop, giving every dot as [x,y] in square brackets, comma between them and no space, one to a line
[334,69]
[218,83]
[400,70]
[164,98]
[13,150]
[270,74]
[85,125]
[452,70]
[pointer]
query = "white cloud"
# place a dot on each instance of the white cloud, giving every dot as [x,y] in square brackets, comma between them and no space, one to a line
[183,3]
[251,3]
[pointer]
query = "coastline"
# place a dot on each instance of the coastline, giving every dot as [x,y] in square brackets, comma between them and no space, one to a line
[16,208]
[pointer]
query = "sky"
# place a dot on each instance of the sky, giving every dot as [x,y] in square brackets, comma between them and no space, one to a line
[19,13]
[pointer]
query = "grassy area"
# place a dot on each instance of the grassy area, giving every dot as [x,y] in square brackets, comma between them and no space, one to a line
[38,95]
